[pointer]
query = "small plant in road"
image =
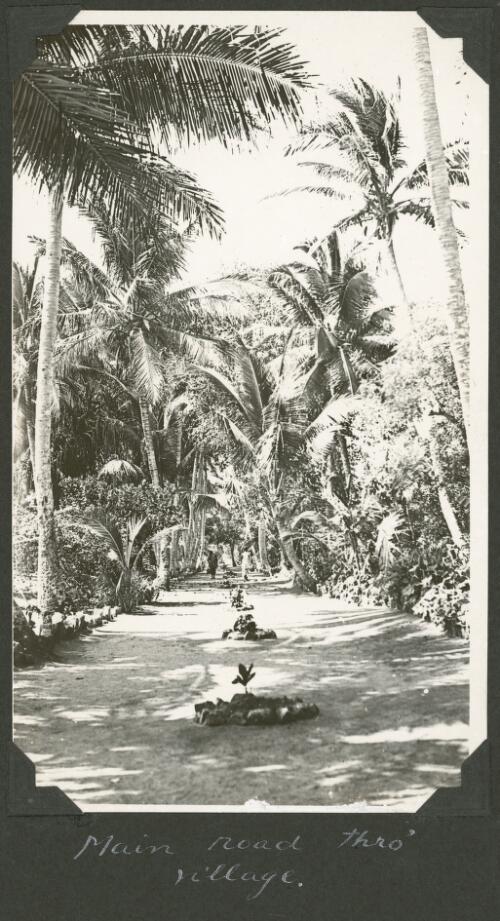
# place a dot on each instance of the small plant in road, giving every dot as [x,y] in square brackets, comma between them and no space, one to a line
[245,676]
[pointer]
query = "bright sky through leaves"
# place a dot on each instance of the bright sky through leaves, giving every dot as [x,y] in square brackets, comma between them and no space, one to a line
[261,231]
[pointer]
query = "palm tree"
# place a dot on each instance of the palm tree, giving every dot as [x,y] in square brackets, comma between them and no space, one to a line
[371,165]
[457,315]
[132,324]
[331,302]
[73,139]
[84,116]
[26,292]
[125,552]
[126,320]
[267,436]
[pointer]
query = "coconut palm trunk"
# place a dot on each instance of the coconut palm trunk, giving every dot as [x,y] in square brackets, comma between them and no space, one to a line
[262,540]
[28,437]
[48,570]
[346,468]
[404,319]
[394,267]
[160,546]
[197,515]
[289,553]
[440,480]
[149,448]
[30,434]
[457,318]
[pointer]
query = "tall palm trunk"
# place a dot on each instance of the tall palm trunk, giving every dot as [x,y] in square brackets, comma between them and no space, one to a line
[440,479]
[29,439]
[178,447]
[249,537]
[197,515]
[149,447]
[403,320]
[160,546]
[346,468]
[344,451]
[30,432]
[262,540]
[48,570]
[457,318]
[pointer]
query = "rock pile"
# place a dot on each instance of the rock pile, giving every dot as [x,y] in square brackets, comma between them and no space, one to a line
[35,635]
[245,628]
[253,710]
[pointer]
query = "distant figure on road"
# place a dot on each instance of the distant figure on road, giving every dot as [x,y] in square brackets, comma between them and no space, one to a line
[213,561]
[245,565]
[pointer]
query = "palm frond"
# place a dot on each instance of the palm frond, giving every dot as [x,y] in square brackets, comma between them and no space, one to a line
[69,133]
[314,517]
[245,449]
[146,367]
[352,299]
[328,170]
[190,82]
[224,384]
[327,191]
[387,530]
[102,526]
[135,525]
[239,436]
[420,210]
[90,343]
[120,470]
[327,254]
[84,271]
[457,161]
[200,349]
[359,218]
[316,137]
[208,501]
[303,290]
[249,374]
[376,120]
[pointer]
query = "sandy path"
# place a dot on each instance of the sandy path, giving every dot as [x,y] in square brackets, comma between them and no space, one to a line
[111,721]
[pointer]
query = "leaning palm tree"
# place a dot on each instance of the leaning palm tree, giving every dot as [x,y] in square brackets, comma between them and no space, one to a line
[369,162]
[331,306]
[457,315]
[84,116]
[330,303]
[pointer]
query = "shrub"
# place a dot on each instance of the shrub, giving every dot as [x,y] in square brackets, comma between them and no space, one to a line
[447,607]
[358,589]
[86,573]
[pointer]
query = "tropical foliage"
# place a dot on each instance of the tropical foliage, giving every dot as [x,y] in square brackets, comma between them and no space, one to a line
[274,412]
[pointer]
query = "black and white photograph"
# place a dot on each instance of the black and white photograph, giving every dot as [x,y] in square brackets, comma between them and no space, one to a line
[250,352]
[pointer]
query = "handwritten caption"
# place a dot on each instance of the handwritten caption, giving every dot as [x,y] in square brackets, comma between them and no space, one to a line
[236,871]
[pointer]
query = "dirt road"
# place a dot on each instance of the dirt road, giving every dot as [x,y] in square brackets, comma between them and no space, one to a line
[111,721]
